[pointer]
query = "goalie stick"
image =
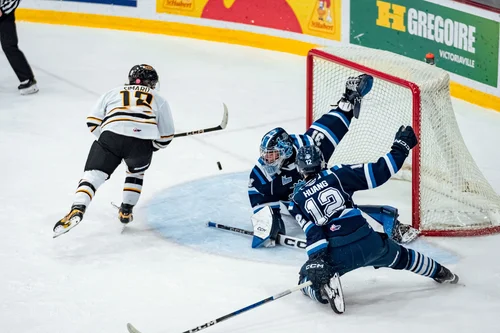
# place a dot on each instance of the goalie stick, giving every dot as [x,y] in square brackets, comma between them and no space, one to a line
[222,125]
[132,329]
[284,240]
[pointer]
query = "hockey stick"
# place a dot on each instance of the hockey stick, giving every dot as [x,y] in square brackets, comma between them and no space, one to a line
[284,240]
[132,329]
[222,125]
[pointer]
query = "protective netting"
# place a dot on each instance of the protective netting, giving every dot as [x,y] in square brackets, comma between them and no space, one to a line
[453,195]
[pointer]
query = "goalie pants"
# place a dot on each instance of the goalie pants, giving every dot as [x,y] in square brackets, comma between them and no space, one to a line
[9,41]
[377,250]
[105,156]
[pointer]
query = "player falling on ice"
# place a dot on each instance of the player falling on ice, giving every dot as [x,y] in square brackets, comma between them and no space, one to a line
[273,178]
[339,239]
[130,123]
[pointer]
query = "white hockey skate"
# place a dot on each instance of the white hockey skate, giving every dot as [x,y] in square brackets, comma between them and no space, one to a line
[69,221]
[28,87]
[334,294]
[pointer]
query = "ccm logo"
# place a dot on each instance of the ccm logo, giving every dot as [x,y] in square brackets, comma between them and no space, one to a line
[292,242]
[404,144]
[313,266]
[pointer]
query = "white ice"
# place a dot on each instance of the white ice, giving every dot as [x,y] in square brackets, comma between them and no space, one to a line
[95,279]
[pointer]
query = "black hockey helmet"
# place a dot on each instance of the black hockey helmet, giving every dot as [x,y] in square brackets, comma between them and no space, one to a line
[144,75]
[310,160]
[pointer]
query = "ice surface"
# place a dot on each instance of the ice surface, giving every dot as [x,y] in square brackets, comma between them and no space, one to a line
[95,279]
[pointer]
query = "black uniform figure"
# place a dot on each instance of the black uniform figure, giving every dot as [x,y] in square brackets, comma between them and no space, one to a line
[9,41]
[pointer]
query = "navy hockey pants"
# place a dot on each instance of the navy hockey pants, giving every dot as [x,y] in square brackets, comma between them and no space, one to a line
[376,249]
[371,249]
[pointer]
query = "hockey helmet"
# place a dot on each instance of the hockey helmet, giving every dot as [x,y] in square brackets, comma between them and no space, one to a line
[144,75]
[310,160]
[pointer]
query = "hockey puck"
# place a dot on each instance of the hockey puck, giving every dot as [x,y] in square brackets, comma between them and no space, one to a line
[219,165]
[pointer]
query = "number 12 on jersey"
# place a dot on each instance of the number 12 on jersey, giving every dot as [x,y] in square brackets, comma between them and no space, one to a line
[324,205]
[139,100]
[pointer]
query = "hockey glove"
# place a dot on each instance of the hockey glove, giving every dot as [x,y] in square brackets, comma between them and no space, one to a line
[317,270]
[405,139]
[355,89]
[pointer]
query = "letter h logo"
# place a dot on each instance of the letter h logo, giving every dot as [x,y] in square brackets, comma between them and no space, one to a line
[385,15]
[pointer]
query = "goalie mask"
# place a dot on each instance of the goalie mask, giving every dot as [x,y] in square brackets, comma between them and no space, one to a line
[275,148]
[144,75]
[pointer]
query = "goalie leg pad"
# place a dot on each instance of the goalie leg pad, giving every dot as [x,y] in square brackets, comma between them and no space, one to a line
[262,224]
[384,215]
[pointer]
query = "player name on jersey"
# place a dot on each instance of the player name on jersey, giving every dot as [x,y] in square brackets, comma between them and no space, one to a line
[315,188]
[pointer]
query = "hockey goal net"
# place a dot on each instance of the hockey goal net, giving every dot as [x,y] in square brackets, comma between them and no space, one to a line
[449,194]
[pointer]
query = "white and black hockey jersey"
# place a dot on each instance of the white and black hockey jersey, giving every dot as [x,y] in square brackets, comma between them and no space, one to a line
[136,111]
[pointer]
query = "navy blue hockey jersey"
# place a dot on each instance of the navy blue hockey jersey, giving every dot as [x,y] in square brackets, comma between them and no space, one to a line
[270,190]
[323,206]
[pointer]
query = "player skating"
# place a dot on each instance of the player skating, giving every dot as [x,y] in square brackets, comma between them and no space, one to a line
[130,123]
[273,178]
[339,239]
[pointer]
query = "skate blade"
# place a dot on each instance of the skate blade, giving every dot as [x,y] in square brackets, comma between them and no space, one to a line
[132,329]
[59,234]
[335,295]
[73,224]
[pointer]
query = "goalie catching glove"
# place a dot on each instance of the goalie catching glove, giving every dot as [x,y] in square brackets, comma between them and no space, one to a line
[355,89]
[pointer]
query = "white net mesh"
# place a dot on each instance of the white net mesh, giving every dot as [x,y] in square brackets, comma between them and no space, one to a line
[453,194]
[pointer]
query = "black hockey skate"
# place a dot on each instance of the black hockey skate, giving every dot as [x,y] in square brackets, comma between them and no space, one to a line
[28,87]
[125,213]
[355,89]
[403,233]
[69,221]
[334,294]
[446,276]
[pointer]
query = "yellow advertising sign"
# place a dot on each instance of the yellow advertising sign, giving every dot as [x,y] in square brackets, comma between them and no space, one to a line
[320,18]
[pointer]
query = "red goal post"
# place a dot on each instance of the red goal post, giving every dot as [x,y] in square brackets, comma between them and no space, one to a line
[406,92]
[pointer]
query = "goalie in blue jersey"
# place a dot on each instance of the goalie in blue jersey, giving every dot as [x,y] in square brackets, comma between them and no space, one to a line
[273,178]
[338,237]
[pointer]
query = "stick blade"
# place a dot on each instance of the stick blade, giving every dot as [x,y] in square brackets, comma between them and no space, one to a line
[132,329]
[225,117]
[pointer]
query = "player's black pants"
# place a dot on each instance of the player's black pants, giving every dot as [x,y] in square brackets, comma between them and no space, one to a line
[9,41]
[107,153]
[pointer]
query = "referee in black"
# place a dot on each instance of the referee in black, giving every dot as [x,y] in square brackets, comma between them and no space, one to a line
[9,41]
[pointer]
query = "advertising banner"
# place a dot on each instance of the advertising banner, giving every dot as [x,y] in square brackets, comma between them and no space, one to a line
[486,4]
[128,3]
[462,43]
[320,18]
